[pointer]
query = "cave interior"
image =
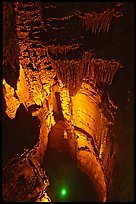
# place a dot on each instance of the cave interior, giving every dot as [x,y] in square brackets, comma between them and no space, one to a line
[68,102]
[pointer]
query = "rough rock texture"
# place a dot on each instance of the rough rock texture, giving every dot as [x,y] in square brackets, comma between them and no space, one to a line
[10,46]
[26,178]
[62,83]
[88,136]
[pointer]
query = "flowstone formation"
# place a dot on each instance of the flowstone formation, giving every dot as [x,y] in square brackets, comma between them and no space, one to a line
[61,81]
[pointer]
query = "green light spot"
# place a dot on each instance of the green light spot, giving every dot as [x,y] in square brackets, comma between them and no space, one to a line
[63,192]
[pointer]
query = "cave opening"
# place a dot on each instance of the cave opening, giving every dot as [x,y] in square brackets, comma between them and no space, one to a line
[67,182]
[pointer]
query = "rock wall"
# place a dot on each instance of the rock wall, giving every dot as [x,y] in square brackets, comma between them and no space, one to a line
[10,45]
[37,101]
[88,136]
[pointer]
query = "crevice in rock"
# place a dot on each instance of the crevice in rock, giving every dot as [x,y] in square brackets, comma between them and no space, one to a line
[57,109]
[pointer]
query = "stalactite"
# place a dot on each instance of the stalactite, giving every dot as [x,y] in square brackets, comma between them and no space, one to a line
[75,71]
[104,70]
[95,21]
[72,72]
[99,21]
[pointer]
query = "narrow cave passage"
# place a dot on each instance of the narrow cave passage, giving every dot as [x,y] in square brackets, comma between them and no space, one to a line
[67,182]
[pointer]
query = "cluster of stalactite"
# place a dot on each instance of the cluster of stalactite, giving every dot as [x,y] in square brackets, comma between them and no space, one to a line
[72,72]
[103,70]
[99,21]
[24,175]
[95,21]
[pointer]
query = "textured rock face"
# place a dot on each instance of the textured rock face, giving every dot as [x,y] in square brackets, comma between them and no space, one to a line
[10,46]
[88,138]
[66,93]
[26,178]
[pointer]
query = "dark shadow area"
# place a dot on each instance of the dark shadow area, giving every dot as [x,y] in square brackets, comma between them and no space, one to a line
[58,115]
[123,174]
[18,133]
[10,46]
[63,174]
